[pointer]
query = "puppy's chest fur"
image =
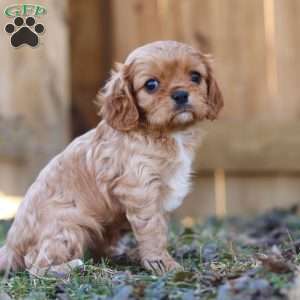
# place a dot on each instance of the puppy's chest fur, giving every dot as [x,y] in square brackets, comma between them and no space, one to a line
[178,179]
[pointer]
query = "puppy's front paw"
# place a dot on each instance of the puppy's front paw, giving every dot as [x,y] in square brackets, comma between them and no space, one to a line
[160,266]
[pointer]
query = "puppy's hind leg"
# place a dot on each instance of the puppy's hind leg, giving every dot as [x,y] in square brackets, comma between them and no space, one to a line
[57,254]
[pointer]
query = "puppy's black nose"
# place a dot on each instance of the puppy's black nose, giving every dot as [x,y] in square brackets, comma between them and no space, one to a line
[180,97]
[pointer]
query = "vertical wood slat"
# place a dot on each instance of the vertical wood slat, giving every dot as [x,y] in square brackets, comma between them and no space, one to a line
[90,52]
[271,63]
[220,193]
[237,42]
[287,43]
[35,89]
[135,23]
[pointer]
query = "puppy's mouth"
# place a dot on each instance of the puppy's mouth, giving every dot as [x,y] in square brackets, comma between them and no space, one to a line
[184,114]
[185,108]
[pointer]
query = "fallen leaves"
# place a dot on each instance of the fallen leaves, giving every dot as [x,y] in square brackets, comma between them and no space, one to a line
[275,263]
[245,288]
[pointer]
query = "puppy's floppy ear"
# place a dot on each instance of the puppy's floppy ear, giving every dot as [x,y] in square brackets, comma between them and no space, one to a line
[214,95]
[117,102]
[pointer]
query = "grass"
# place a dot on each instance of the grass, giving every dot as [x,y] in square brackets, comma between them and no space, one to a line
[227,259]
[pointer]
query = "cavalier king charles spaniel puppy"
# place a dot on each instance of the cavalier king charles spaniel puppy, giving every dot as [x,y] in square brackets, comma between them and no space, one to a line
[130,171]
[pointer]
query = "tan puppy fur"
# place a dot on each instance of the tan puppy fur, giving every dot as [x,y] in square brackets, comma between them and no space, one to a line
[131,170]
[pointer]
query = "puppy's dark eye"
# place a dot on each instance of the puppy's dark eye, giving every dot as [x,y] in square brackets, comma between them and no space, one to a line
[151,85]
[196,77]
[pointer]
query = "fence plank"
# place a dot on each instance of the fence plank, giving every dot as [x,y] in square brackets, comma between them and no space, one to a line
[287,42]
[249,195]
[250,146]
[35,88]
[90,47]
[245,195]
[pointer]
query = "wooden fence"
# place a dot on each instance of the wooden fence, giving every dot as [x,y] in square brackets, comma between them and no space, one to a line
[250,159]
[34,98]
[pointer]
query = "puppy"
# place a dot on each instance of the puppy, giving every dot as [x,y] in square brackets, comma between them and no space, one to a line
[131,170]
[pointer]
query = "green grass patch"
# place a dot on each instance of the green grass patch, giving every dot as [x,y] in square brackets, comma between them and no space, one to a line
[227,259]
